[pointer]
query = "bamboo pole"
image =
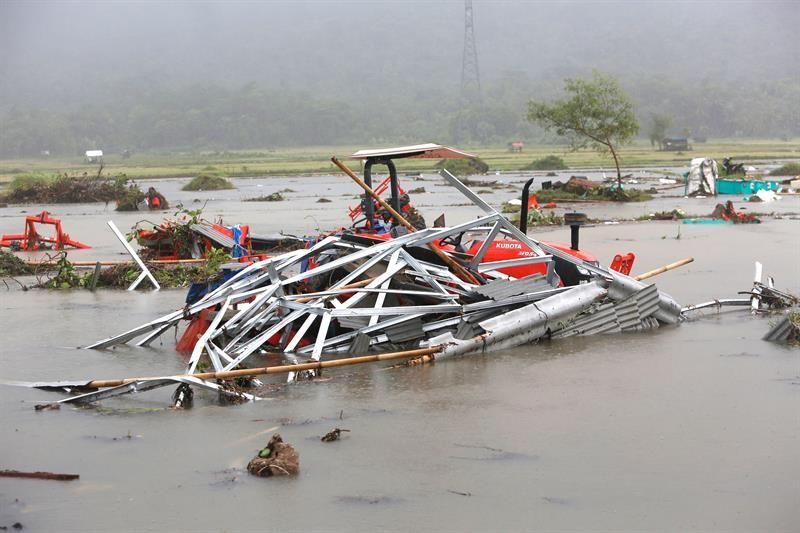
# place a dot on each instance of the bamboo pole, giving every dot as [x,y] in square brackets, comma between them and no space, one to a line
[459,270]
[664,268]
[280,369]
[116,263]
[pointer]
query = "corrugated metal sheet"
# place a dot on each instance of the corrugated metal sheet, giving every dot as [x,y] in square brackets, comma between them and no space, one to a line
[405,331]
[211,233]
[631,314]
[501,289]
[467,330]
[353,322]
[781,331]
[360,344]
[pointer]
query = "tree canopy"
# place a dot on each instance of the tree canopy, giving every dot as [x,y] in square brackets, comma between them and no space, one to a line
[659,124]
[596,114]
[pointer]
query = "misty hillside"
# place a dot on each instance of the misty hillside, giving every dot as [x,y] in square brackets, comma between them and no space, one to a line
[192,75]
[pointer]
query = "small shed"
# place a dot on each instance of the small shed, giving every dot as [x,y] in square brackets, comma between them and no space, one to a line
[516,146]
[676,144]
[94,156]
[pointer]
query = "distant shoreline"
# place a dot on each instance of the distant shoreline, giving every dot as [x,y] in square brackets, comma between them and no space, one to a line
[316,160]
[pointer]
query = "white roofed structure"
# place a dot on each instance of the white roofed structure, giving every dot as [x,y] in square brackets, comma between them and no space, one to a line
[426,151]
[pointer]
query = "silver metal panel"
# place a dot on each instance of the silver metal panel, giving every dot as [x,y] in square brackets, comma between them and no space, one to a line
[501,289]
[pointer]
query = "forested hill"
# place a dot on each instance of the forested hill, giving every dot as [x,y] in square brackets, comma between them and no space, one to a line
[183,75]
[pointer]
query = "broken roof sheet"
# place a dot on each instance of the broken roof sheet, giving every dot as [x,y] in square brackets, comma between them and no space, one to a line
[427,150]
[500,289]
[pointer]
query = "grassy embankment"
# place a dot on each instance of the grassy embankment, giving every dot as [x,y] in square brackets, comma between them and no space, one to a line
[317,160]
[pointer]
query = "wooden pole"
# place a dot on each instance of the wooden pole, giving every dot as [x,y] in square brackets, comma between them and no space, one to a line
[39,475]
[663,269]
[281,369]
[459,270]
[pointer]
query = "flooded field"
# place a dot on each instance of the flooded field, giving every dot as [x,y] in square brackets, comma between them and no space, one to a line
[693,427]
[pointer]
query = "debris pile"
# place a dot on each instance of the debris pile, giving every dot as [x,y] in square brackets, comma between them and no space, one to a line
[729,213]
[786,330]
[436,292]
[277,458]
[65,189]
[333,435]
[187,236]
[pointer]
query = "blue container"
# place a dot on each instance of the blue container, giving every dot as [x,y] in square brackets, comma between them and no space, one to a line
[726,186]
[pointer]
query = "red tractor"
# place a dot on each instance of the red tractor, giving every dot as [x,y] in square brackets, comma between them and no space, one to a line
[466,245]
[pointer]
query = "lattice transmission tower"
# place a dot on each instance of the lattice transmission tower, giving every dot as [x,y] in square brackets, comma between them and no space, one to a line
[470,75]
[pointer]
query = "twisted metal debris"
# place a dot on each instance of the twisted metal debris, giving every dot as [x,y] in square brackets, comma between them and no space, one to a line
[346,295]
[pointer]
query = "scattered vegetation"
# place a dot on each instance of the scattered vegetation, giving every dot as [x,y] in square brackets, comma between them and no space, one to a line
[675,214]
[490,184]
[789,169]
[464,167]
[208,182]
[121,276]
[323,201]
[794,320]
[11,265]
[536,217]
[549,162]
[600,194]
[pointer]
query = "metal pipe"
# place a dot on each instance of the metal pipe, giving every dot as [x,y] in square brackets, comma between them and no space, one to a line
[575,221]
[743,302]
[369,208]
[523,208]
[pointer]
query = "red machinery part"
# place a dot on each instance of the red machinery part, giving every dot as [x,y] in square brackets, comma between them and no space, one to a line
[623,263]
[31,240]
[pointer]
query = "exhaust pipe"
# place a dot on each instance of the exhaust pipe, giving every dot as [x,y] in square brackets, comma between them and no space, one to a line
[574,221]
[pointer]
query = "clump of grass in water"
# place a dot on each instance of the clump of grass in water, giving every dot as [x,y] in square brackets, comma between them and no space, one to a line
[549,162]
[464,167]
[789,169]
[208,182]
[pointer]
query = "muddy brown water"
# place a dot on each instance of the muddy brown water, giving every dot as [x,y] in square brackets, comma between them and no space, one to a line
[695,427]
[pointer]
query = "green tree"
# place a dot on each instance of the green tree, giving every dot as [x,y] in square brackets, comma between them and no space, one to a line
[596,113]
[659,124]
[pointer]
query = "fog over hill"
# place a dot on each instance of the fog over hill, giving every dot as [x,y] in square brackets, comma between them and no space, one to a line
[145,75]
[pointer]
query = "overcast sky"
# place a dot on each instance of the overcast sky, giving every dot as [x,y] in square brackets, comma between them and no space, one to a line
[340,48]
